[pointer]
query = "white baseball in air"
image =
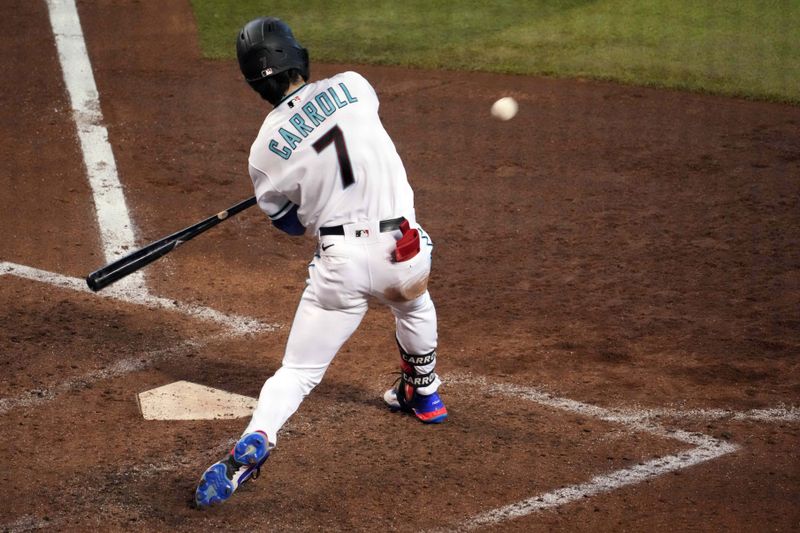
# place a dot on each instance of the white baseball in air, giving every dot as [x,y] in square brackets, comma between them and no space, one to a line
[505,108]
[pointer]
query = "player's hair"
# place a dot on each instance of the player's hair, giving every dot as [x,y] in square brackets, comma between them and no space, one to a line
[273,88]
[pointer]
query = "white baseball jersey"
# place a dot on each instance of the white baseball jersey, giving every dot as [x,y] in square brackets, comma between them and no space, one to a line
[324,149]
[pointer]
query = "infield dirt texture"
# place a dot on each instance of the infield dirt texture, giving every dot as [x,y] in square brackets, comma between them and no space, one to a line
[617,276]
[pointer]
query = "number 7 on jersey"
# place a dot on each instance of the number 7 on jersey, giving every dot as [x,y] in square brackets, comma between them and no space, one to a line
[335,136]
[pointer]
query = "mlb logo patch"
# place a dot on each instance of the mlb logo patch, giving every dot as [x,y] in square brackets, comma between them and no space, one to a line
[362,233]
[293,101]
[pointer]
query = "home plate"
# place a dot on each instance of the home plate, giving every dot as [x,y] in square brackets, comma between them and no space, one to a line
[184,400]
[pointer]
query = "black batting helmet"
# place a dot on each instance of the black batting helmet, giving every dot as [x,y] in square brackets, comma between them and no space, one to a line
[266,46]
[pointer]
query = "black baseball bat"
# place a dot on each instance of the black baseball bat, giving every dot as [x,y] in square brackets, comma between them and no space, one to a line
[144,256]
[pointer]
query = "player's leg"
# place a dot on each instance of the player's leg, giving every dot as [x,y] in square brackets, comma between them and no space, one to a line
[328,313]
[316,336]
[416,332]
[402,285]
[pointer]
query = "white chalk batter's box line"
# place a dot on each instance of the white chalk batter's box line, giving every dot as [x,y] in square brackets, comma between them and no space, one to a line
[705,448]
[236,325]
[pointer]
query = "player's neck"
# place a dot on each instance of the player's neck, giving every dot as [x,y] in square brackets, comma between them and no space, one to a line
[294,86]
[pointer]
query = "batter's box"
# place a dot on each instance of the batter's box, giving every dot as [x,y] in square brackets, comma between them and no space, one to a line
[61,337]
[54,336]
[639,429]
[404,476]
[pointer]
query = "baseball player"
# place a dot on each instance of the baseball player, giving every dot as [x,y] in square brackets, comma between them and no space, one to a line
[323,164]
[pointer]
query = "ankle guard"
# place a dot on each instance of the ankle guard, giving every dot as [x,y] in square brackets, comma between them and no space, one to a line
[417,371]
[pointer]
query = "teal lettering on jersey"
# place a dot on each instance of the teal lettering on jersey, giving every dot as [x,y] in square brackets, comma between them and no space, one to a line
[313,115]
[325,104]
[291,139]
[328,101]
[284,152]
[350,99]
[300,125]
[339,102]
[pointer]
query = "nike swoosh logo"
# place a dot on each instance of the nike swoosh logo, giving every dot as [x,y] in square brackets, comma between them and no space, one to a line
[326,247]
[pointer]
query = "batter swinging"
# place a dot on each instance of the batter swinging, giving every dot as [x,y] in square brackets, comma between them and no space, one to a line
[322,162]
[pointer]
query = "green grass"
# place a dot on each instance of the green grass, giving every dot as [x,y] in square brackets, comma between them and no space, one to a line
[747,48]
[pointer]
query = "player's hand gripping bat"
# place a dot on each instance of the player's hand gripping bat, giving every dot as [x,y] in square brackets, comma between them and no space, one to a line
[144,256]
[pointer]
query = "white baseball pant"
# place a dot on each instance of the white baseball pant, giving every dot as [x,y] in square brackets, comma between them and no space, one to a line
[346,271]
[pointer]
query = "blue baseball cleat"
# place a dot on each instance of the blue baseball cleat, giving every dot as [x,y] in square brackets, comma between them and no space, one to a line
[428,409]
[219,482]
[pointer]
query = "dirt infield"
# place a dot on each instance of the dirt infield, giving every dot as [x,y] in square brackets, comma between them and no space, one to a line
[617,276]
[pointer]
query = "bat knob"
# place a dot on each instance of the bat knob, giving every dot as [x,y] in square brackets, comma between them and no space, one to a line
[92,283]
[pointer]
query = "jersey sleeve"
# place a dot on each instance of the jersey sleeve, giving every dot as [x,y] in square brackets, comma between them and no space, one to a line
[367,92]
[273,203]
[280,210]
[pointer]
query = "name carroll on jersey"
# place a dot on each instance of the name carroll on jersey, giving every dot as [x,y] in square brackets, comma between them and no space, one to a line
[314,113]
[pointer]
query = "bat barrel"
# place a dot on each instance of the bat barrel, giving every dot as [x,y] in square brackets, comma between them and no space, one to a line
[135,260]
[130,263]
